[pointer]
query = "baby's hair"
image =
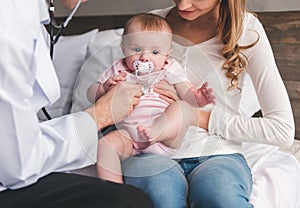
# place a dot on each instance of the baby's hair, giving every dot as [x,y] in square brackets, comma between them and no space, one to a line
[148,22]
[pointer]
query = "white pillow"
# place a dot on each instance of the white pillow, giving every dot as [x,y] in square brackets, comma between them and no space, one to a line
[103,51]
[70,53]
[107,38]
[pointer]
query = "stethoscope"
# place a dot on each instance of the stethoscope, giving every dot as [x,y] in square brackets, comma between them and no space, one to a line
[54,37]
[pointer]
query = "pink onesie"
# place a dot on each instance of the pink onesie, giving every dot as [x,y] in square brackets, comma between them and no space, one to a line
[150,106]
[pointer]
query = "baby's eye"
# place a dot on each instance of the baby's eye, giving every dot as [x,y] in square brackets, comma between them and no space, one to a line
[155,52]
[136,50]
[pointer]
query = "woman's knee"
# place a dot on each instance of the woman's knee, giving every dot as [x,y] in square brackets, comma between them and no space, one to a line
[222,182]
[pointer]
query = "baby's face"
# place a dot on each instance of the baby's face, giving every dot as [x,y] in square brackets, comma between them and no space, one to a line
[147,46]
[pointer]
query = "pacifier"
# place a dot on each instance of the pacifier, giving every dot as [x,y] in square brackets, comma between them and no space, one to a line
[142,73]
[142,67]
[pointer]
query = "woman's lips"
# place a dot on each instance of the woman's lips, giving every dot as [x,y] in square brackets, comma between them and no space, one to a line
[186,12]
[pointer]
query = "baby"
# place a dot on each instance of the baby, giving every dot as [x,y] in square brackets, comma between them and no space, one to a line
[154,126]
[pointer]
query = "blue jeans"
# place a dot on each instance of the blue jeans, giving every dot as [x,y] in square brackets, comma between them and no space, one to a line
[208,181]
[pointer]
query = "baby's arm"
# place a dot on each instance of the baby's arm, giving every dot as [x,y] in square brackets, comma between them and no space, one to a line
[195,97]
[96,90]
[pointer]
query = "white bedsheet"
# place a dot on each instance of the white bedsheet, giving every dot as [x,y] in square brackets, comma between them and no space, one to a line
[276,175]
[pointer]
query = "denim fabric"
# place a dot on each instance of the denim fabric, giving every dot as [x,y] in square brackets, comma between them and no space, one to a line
[208,181]
[158,176]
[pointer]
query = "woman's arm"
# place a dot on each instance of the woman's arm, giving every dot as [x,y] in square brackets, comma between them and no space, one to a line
[277,125]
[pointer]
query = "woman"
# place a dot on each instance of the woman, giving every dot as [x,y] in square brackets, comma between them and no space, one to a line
[220,42]
[31,152]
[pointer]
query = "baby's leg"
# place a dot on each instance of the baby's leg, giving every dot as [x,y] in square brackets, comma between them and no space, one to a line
[112,148]
[171,126]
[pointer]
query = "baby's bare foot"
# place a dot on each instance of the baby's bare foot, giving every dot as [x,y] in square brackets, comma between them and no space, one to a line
[144,137]
[144,133]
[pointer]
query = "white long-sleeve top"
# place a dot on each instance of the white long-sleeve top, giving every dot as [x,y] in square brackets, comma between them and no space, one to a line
[262,87]
[29,149]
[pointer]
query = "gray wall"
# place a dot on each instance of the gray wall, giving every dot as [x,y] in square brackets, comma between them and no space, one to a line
[112,7]
[273,5]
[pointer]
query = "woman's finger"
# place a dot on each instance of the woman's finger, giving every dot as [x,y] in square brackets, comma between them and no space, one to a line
[167,99]
[166,93]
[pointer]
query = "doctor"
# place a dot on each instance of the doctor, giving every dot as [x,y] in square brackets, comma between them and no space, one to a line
[33,155]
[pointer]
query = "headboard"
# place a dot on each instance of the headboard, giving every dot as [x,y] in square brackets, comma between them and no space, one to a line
[282,28]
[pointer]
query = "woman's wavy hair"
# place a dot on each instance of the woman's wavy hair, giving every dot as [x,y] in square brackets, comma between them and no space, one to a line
[230,29]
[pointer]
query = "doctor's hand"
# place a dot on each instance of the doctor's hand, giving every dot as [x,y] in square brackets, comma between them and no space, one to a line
[115,104]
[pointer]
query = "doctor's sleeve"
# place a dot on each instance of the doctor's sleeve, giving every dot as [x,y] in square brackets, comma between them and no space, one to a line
[30,150]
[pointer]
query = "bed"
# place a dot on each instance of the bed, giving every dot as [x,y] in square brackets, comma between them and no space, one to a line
[92,43]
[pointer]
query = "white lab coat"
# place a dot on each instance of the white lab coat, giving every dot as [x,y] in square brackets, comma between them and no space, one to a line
[29,149]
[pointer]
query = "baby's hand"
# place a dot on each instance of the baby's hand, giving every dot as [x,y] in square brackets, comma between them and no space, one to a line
[204,95]
[113,81]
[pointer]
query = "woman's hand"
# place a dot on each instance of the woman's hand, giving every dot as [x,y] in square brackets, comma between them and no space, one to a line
[166,91]
[115,104]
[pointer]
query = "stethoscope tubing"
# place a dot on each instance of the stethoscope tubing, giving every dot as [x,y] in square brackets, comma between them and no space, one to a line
[55,38]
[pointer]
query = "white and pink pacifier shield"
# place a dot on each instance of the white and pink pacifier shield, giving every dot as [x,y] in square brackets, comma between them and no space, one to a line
[143,67]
